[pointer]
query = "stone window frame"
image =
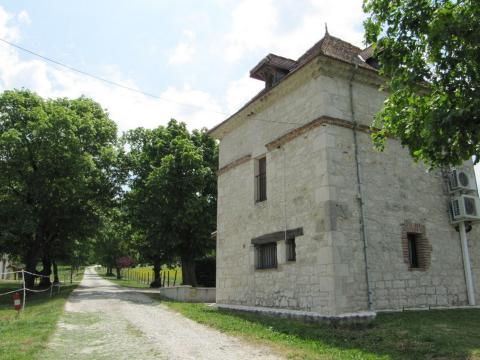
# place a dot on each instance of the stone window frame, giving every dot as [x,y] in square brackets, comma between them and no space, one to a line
[266,256]
[281,250]
[260,179]
[424,248]
[290,249]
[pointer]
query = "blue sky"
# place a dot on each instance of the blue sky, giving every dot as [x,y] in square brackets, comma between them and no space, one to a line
[195,52]
[188,52]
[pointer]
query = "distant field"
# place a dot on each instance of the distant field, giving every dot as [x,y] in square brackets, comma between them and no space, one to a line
[141,277]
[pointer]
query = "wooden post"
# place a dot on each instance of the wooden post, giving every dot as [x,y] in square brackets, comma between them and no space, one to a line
[24,290]
[168,278]
[164,273]
[175,277]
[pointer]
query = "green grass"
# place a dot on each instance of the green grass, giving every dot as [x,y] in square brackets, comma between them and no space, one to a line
[441,334]
[24,337]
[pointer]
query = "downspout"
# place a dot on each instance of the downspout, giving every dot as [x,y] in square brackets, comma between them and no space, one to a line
[360,189]
[466,264]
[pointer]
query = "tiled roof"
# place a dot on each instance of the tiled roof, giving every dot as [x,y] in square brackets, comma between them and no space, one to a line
[367,53]
[335,48]
[329,46]
[275,61]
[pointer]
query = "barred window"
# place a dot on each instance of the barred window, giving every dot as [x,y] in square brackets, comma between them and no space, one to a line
[266,256]
[291,251]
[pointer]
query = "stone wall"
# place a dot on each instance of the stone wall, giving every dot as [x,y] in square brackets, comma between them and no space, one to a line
[312,183]
[187,293]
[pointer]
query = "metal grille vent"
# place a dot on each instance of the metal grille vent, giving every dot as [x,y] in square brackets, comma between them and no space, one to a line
[455,208]
[470,208]
[463,178]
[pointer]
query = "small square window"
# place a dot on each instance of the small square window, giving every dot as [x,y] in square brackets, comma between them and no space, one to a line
[291,251]
[266,256]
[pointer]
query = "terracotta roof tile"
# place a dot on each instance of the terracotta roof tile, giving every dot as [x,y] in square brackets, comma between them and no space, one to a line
[329,46]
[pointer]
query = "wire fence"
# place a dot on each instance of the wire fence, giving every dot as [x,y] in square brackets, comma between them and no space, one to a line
[145,275]
[20,275]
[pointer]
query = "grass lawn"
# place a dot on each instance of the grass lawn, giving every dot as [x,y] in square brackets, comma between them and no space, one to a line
[440,334]
[27,336]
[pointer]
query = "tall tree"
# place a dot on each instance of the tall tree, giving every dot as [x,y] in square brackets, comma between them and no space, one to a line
[57,171]
[173,193]
[429,52]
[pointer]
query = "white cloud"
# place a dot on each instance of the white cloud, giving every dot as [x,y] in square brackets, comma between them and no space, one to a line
[24,18]
[240,91]
[253,26]
[185,50]
[7,31]
[127,108]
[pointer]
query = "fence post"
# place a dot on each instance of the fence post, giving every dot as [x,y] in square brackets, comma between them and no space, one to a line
[175,277]
[24,290]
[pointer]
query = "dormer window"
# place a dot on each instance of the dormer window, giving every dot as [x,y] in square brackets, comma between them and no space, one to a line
[272,69]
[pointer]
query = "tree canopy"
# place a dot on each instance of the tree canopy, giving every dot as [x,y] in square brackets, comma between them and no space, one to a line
[57,173]
[172,197]
[429,52]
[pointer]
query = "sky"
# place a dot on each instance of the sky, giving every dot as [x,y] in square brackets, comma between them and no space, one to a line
[193,56]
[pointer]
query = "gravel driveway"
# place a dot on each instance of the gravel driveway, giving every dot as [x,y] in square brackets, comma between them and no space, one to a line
[105,321]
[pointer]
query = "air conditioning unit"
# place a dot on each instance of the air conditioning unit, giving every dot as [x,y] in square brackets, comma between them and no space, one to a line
[461,180]
[465,207]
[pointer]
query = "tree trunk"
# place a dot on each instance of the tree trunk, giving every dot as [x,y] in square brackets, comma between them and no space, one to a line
[119,275]
[55,272]
[30,260]
[46,271]
[109,271]
[157,280]
[188,272]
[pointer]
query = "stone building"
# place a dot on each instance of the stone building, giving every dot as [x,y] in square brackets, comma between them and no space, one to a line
[310,217]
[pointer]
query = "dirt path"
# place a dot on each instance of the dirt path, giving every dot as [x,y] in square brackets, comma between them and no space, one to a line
[105,321]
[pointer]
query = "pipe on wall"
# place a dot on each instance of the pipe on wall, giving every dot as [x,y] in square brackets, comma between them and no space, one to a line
[466,264]
[360,189]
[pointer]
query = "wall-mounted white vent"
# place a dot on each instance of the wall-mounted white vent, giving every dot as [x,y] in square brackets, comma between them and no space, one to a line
[465,207]
[460,180]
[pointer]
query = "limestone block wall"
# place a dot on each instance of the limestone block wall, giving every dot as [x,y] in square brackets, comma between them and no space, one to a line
[312,183]
[308,282]
[397,191]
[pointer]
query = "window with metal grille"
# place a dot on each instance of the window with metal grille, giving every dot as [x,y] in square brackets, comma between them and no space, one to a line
[291,252]
[266,256]
[261,180]
[413,250]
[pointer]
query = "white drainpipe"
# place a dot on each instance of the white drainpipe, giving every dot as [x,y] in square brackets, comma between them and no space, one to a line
[466,264]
